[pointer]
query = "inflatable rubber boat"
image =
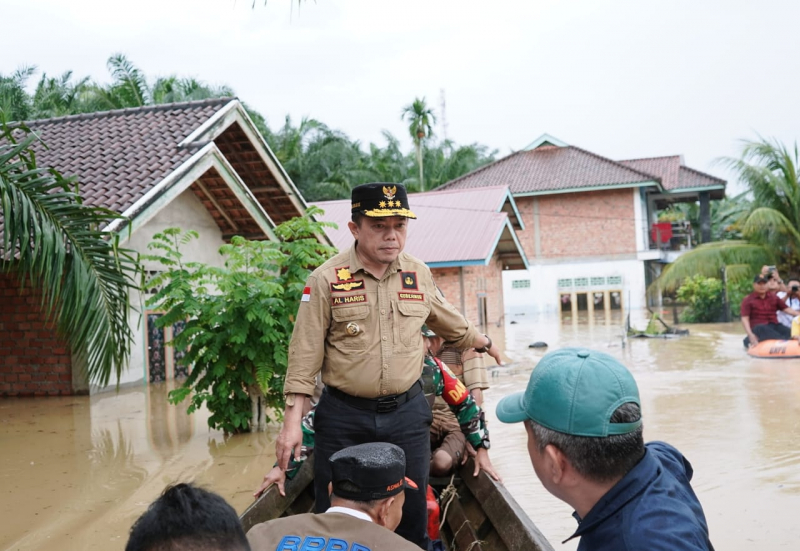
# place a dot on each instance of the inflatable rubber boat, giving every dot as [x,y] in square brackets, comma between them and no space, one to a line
[775,349]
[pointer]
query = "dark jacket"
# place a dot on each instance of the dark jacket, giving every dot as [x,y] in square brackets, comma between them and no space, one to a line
[652,508]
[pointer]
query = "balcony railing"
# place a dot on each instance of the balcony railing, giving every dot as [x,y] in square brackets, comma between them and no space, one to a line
[671,236]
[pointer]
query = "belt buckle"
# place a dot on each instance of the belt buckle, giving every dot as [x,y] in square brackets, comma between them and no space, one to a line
[387,404]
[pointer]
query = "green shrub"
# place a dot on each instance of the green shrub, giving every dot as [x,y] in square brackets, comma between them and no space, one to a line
[736,293]
[703,297]
[239,318]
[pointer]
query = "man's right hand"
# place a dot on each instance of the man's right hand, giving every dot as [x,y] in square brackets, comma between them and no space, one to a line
[289,440]
[275,476]
[753,340]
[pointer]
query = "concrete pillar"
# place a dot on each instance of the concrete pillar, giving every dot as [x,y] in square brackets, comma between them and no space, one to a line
[705,217]
[574,300]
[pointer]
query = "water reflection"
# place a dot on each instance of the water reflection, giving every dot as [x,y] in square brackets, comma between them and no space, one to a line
[76,472]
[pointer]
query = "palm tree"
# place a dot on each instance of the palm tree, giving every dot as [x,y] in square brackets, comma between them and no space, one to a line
[14,100]
[55,241]
[420,120]
[769,226]
[59,96]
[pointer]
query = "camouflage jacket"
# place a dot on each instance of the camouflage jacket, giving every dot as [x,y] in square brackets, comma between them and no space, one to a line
[437,380]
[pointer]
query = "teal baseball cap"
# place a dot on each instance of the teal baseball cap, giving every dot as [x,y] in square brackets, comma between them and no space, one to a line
[574,391]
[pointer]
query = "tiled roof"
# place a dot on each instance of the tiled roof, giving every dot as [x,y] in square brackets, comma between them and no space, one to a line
[550,169]
[119,155]
[443,221]
[674,176]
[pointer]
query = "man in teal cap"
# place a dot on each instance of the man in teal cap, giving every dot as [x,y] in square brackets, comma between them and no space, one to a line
[582,412]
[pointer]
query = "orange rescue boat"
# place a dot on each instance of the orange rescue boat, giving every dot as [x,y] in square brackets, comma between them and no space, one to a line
[775,349]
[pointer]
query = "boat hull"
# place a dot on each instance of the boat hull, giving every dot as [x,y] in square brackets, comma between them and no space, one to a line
[774,349]
[481,516]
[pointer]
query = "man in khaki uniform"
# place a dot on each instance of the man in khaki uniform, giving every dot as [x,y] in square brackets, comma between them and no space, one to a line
[359,324]
[368,490]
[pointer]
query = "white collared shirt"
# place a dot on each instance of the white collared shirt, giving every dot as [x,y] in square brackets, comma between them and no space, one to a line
[348,511]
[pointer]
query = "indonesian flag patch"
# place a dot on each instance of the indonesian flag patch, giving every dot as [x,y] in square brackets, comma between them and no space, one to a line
[306,295]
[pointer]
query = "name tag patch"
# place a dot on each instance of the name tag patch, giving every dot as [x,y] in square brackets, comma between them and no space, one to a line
[352,299]
[345,286]
[405,295]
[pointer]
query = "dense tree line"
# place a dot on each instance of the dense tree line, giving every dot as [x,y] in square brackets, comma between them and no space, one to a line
[324,163]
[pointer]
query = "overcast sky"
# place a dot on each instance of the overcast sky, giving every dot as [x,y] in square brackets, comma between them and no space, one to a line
[623,79]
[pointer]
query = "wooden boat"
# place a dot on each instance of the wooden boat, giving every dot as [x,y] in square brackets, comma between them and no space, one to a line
[774,349]
[482,516]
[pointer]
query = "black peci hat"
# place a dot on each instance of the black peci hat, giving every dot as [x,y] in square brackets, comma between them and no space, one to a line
[374,471]
[380,200]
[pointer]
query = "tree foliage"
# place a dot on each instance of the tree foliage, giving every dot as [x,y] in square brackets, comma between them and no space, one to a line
[323,162]
[767,217]
[53,240]
[703,297]
[239,318]
[420,127]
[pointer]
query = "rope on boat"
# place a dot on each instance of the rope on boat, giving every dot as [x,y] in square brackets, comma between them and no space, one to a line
[446,497]
[455,537]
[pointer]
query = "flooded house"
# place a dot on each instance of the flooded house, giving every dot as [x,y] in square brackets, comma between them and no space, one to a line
[198,165]
[590,225]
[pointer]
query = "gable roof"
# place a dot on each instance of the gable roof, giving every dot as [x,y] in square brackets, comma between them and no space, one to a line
[437,236]
[549,169]
[118,155]
[674,175]
[133,161]
[680,182]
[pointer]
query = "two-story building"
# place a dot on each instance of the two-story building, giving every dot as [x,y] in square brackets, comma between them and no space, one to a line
[591,232]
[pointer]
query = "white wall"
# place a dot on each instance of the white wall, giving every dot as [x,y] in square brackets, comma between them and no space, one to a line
[185,212]
[543,294]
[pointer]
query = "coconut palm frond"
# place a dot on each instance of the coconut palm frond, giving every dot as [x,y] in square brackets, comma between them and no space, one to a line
[708,259]
[51,239]
[771,222]
[130,86]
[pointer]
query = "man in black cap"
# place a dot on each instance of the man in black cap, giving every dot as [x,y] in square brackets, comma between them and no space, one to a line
[367,493]
[759,314]
[359,324]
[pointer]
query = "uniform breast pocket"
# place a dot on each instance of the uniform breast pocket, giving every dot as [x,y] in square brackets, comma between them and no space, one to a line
[350,330]
[412,317]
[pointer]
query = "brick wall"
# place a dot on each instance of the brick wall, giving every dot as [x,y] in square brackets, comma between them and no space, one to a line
[33,360]
[477,279]
[592,223]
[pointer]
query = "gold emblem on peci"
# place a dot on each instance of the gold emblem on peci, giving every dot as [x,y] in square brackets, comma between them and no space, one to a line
[344,274]
[353,329]
[389,192]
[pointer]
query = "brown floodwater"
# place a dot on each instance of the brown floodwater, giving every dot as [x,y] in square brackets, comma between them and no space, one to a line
[76,472]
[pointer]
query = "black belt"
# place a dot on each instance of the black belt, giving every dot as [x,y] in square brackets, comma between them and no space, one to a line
[384,404]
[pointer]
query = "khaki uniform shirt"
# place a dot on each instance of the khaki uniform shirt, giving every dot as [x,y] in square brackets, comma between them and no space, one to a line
[336,531]
[472,372]
[363,332]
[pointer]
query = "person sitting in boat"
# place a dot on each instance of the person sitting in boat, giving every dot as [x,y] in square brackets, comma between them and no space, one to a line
[792,298]
[187,517]
[448,442]
[582,413]
[759,314]
[437,380]
[367,492]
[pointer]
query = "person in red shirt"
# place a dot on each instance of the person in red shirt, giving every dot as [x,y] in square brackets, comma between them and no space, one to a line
[759,314]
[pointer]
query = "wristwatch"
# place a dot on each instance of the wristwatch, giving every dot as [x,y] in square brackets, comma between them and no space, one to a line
[485,348]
